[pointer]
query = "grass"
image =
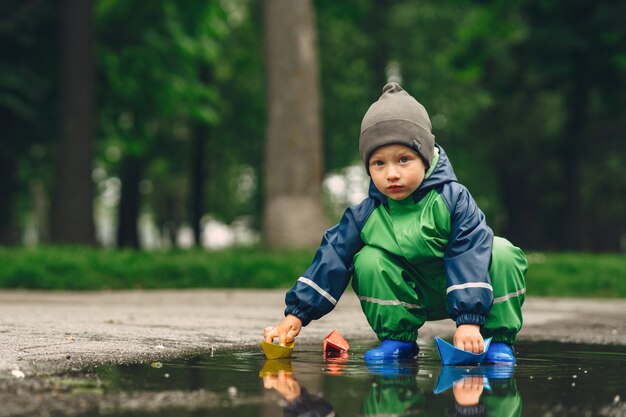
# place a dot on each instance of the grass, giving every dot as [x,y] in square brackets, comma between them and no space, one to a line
[73,268]
[577,275]
[77,268]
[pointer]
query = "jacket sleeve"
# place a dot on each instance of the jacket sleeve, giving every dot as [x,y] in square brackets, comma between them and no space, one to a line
[467,259]
[317,291]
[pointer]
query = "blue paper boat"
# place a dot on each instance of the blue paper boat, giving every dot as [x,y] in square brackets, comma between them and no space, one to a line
[450,375]
[451,355]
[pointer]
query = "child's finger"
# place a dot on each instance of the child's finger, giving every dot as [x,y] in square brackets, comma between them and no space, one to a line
[291,334]
[465,345]
[282,338]
[270,333]
[458,343]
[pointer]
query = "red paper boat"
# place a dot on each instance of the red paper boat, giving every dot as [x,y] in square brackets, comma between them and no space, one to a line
[334,342]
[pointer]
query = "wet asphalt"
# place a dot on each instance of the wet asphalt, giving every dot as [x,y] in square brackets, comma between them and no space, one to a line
[52,333]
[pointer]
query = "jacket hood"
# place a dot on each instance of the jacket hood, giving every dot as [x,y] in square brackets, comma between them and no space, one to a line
[439,174]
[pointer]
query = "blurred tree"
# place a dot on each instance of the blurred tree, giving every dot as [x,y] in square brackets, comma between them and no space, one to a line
[28,108]
[155,93]
[237,147]
[551,70]
[199,159]
[72,210]
[527,98]
[131,69]
[377,25]
[347,77]
[579,50]
[293,213]
[508,131]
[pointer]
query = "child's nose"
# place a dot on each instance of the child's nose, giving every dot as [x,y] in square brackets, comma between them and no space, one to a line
[392,173]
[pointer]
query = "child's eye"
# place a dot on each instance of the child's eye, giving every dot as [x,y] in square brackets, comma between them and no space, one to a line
[378,163]
[404,160]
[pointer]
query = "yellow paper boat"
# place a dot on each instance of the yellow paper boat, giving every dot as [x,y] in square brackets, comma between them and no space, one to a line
[273,351]
[276,366]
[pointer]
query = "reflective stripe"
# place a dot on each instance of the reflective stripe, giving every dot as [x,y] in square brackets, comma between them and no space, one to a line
[469,285]
[318,289]
[388,302]
[509,296]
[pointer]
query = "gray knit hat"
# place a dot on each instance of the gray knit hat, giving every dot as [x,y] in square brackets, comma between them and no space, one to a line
[396,118]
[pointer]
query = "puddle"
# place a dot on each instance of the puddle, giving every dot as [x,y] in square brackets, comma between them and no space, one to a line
[550,379]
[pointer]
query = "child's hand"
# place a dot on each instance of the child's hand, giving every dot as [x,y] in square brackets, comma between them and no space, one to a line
[468,390]
[284,383]
[286,331]
[468,338]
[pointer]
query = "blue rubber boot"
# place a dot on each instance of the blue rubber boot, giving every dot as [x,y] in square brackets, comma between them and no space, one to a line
[500,352]
[390,350]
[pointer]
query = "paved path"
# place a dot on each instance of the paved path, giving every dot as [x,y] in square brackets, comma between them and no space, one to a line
[45,333]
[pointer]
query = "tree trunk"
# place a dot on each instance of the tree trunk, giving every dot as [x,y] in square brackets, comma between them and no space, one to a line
[573,149]
[73,202]
[9,234]
[128,216]
[198,167]
[522,224]
[198,176]
[293,214]
[376,25]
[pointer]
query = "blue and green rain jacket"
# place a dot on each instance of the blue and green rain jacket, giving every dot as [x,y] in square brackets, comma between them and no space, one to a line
[439,228]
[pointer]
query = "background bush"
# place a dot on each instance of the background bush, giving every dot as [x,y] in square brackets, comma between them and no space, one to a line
[78,268]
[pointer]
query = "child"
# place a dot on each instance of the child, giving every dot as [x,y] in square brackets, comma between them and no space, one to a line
[418,248]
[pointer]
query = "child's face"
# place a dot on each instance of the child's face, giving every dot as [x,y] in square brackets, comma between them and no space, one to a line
[396,170]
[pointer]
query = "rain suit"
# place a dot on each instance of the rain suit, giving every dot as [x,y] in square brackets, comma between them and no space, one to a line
[430,256]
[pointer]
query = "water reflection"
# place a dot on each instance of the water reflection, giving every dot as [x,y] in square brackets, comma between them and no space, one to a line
[278,375]
[392,395]
[395,390]
[481,390]
[552,379]
[336,362]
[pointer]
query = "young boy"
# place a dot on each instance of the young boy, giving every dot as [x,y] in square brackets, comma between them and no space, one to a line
[418,248]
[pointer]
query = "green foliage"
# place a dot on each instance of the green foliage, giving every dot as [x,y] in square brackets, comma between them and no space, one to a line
[346,78]
[28,76]
[576,275]
[551,73]
[74,268]
[178,66]
[526,96]
[236,146]
[149,64]
[69,268]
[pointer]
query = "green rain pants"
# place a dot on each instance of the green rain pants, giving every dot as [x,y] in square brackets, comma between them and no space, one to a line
[398,297]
